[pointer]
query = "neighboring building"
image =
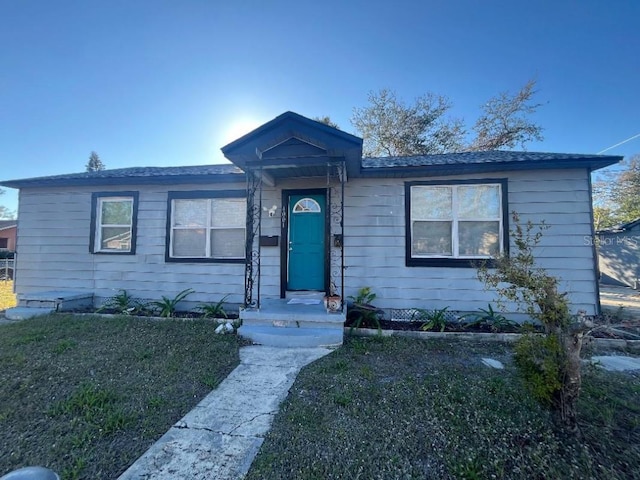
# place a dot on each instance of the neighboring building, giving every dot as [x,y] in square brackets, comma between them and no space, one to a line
[8,231]
[619,253]
[320,218]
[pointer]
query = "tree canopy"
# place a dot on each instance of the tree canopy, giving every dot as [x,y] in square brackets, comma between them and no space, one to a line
[326,119]
[5,213]
[616,196]
[390,127]
[94,164]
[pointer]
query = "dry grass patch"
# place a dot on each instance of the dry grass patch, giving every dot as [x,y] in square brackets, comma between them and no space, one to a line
[7,297]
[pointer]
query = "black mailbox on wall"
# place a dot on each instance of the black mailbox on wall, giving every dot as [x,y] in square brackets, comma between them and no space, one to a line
[269,240]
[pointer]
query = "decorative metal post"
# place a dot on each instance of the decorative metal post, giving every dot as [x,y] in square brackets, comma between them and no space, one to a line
[335,187]
[252,246]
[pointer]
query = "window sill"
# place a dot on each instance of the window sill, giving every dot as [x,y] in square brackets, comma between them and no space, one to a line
[113,252]
[450,262]
[203,260]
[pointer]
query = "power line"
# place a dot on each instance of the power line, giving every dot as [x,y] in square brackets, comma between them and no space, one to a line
[618,144]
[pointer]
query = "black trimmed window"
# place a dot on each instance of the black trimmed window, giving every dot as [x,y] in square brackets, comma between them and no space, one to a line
[206,226]
[114,222]
[455,223]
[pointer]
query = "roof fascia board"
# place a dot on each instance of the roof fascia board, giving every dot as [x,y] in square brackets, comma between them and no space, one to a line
[150,180]
[464,168]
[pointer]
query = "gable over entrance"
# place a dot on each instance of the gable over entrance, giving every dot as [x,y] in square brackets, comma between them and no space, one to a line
[291,145]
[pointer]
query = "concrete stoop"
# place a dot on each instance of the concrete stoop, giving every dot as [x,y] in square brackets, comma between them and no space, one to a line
[43,303]
[281,324]
[289,337]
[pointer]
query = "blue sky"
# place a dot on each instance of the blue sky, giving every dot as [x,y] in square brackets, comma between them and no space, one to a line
[170,82]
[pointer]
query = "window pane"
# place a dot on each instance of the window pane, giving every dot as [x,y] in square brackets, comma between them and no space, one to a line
[430,202]
[116,212]
[431,238]
[229,212]
[228,243]
[190,213]
[189,243]
[115,238]
[479,238]
[307,205]
[479,201]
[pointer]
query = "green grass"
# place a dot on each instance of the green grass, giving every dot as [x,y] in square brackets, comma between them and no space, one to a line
[86,396]
[409,409]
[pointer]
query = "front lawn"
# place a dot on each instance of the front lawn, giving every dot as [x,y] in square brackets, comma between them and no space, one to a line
[397,408]
[87,396]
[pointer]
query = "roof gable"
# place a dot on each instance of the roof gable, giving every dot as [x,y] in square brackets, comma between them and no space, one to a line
[294,140]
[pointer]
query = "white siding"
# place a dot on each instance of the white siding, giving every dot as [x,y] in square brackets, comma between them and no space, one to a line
[53,249]
[375,242]
[53,244]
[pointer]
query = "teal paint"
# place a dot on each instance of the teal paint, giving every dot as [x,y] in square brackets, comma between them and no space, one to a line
[306,245]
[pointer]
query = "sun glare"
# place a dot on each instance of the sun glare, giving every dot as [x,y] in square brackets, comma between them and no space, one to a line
[239,127]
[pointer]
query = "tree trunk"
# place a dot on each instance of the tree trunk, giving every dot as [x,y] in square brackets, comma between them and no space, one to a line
[572,346]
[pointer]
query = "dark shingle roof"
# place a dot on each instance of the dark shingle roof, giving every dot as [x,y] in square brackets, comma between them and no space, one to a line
[491,157]
[623,227]
[137,176]
[7,224]
[417,165]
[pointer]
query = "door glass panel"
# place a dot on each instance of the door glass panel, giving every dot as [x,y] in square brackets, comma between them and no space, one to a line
[306,205]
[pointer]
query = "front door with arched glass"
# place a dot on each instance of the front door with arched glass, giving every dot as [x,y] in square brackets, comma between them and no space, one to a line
[306,246]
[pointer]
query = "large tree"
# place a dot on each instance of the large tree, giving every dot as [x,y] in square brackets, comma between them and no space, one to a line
[390,127]
[94,164]
[616,195]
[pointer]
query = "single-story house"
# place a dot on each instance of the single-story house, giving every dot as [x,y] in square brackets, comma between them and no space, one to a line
[8,231]
[619,254]
[299,209]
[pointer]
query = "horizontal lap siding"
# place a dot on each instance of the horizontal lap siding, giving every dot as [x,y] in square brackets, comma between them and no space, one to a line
[53,250]
[375,242]
[53,245]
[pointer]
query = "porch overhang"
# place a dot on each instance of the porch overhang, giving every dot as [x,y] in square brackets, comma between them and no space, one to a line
[293,146]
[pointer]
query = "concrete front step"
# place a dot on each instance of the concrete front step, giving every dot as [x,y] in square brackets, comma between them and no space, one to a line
[23,313]
[292,337]
[58,300]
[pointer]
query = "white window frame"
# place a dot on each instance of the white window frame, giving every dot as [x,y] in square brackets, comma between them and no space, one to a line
[208,228]
[454,219]
[99,225]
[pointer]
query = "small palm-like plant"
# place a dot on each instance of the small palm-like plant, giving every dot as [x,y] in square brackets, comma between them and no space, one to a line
[167,306]
[435,319]
[214,310]
[492,319]
[362,311]
[122,303]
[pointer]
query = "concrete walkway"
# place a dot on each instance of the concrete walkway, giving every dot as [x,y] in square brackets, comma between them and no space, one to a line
[220,437]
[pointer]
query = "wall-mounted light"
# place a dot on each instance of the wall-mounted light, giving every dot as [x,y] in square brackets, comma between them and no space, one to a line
[272,211]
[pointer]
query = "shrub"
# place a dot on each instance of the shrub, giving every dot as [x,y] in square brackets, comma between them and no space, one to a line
[550,365]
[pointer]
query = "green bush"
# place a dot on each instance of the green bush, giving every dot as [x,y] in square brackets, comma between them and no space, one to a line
[539,359]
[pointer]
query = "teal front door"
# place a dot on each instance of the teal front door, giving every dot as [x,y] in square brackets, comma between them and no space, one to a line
[306,268]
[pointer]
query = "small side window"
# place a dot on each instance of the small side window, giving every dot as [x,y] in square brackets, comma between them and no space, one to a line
[114,222]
